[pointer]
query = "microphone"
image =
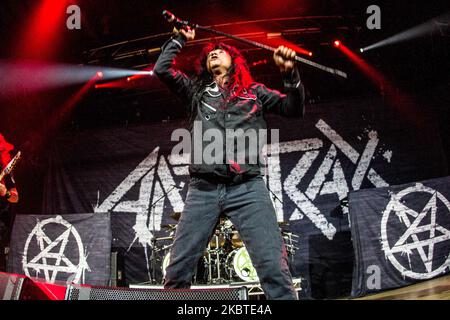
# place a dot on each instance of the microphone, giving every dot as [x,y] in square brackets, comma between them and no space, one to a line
[177,23]
[169,16]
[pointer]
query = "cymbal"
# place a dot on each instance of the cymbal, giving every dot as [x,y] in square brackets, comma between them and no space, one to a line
[164,238]
[169,226]
[175,215]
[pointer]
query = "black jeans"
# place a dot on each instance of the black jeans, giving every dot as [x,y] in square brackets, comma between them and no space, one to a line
[249,208]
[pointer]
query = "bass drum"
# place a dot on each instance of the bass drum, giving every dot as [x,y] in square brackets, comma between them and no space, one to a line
[239,266]
[200,275]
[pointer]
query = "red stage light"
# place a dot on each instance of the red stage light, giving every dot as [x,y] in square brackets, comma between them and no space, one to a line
[394,96]
[99,74]
[42,33]
[310,54]
[337,43]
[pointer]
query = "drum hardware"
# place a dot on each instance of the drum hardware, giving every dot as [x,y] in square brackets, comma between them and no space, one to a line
[166,247]
[153,257]
[236,240]
[218,240]
[218,246]
[169,227]
[239,264]
[175,216]
[283,223]
[213,263]
[195,277]
[289,243]
[226,258]
[163,238]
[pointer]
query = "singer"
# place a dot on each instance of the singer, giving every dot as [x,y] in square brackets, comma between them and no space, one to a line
[224,96]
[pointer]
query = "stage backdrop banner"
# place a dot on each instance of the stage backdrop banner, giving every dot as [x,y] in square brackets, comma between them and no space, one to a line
[69,248]
[401,234]
[336,148]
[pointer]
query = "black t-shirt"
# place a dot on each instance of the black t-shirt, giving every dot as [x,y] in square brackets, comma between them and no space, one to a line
[9,183]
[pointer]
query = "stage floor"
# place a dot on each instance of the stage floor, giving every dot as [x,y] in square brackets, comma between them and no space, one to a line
[436,289]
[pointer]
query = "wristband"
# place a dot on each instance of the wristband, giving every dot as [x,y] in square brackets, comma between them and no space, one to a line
[7,194]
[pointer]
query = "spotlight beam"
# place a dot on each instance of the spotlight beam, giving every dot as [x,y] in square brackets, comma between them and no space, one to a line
[32,76]
[413,33]
[394,96]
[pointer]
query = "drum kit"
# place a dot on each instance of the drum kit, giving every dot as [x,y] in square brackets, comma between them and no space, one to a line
[225,259]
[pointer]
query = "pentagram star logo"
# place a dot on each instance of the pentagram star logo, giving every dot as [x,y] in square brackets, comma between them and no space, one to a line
[52,257]
[422,232]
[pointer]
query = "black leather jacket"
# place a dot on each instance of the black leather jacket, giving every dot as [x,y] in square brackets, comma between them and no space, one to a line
[215,110]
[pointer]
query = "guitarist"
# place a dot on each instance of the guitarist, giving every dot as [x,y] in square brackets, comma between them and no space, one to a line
[8,190]
[8,195]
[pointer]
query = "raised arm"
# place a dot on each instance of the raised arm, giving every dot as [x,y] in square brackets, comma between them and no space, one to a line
[291,103]
[164,68]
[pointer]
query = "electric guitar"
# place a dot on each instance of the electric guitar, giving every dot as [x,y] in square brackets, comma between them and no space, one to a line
[9,168]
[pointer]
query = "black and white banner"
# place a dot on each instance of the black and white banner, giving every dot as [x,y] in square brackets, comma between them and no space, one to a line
[335,149]
[70,248]
[401,234]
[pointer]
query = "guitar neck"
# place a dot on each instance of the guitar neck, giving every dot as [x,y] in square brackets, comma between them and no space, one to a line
[3,174]
[10,166]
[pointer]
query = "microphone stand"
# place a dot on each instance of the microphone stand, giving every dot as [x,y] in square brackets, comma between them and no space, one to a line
[266,173]
[291,246]
[183,23]
[154,239]
[274,195]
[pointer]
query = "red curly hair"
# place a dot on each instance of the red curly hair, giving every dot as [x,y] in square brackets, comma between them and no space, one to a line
[5,148]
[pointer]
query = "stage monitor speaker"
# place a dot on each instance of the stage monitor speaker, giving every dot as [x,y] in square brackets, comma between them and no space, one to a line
[77,292]
[10,286]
